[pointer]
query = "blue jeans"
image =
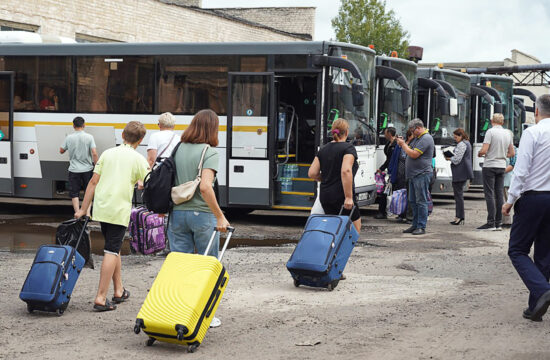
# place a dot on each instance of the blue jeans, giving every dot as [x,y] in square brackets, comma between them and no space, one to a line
[418,199]
[191,230]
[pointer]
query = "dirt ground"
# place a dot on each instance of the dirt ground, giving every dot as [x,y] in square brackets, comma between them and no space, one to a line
[451,294]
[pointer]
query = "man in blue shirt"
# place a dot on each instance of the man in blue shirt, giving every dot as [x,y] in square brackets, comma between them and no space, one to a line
[419,172]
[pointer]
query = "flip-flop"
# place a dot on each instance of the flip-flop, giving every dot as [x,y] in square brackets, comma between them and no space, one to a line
[124,297]
[107,307]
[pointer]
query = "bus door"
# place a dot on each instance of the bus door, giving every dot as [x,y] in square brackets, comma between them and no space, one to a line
[6,132]
[249,140]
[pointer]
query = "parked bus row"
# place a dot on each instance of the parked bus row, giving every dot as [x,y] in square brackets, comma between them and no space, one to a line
[276,103]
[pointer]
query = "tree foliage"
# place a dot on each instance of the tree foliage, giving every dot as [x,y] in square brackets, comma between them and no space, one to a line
[365,22]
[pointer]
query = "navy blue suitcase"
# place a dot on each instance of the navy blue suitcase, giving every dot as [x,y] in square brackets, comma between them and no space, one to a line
[53,276]
[323,251]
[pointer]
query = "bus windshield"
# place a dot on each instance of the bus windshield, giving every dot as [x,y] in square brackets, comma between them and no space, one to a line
[361,121]
[443,126]
[391,112]
[505,90]
[484,119]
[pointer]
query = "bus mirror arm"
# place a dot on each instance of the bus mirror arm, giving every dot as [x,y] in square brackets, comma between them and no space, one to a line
[358,95]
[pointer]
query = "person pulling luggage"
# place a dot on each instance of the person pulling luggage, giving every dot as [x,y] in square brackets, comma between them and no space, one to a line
[112,189]
[191,222]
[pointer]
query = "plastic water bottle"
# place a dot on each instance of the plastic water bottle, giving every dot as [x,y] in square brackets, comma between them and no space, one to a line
[295,170]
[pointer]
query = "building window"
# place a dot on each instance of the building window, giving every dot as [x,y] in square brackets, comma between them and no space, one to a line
[83,38]
[15,26]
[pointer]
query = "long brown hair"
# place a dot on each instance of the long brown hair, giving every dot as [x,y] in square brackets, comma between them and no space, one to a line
[460,132]
[203,129]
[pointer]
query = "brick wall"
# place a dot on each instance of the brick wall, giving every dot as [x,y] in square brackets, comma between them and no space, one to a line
[133,21]
[297,20]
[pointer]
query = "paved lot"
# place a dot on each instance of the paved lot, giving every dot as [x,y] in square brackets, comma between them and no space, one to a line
[451,294]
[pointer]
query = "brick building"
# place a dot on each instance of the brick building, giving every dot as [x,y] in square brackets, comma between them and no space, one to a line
[155,21]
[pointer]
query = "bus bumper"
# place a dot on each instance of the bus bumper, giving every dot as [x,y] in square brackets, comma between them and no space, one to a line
[365,195]
[442,185]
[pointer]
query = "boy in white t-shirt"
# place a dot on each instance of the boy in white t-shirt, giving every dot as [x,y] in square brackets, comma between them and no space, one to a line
[162,143]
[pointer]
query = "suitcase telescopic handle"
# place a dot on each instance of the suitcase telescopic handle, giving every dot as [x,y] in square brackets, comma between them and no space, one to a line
[86,219]
[230,230]
[342,210]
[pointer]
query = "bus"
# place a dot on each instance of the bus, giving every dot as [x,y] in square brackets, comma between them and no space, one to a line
[395,98]
[276,103]
[497,98]
[443,106]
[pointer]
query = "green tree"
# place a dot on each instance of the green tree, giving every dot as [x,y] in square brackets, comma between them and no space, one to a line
[365,22]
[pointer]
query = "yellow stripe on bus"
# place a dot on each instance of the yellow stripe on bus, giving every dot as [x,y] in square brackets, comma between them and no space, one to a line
[297,193]
[147,126]
[284,207]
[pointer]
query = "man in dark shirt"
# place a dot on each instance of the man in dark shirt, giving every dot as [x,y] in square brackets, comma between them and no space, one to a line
[419,172]
[382,198]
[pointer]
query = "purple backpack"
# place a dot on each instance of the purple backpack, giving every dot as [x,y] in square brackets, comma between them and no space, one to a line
[398,203]
[147,231]
[380,179]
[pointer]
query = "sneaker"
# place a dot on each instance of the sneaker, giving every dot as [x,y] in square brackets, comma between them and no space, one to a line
[419,232]
[487,227]
[498,227]
[409,230]
[215,322]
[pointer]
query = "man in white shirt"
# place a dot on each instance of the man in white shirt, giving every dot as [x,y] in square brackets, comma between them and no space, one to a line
[162,143]
[498,145]
[530,195]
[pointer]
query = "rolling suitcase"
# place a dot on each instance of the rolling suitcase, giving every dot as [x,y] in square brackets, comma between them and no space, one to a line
[184,297]
[53,276]
[321,254]
[146,230]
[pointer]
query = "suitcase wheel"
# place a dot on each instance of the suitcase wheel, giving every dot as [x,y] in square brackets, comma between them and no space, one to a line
[332,285]
[191,348]
[296,283]
[137,329]
[59,312]
[30,309]
[150,341]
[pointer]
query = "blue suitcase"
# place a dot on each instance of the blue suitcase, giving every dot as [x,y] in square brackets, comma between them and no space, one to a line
[53,276]
[323,251]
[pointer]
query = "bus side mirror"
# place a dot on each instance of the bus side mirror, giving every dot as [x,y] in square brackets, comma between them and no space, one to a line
[405,100]
[498,108]
[453,107]
[358,95]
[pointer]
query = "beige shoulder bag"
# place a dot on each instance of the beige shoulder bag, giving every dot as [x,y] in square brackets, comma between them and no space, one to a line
[185,192]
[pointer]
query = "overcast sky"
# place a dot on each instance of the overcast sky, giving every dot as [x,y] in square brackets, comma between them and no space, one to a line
[460,30]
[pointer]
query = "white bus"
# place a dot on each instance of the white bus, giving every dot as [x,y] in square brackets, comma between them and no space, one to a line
[276,102]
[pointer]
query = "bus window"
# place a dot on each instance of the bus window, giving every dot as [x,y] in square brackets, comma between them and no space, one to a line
[115,85]
[188,84]
[41,83]
[253,63]
[5,109]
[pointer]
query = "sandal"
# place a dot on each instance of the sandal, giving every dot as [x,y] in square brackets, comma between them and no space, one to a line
[124,297]
[107,307]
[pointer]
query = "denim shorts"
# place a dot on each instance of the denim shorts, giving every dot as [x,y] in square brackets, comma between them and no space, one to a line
[190,231]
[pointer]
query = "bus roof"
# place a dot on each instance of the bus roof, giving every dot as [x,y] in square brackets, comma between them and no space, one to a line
[428,72]
[381,58]
[135,49]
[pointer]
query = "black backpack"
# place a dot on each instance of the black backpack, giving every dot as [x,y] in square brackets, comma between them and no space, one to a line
[158,185]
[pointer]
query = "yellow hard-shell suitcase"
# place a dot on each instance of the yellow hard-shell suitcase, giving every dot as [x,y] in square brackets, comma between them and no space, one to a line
[184,297]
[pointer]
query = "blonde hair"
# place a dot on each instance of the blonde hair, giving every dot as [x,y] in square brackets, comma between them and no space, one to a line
[339,128]
[167,120]
[498,118]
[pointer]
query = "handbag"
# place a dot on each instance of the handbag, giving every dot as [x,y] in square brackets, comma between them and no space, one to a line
[185,192]
[388,189]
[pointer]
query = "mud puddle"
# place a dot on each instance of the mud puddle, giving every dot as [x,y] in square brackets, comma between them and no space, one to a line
[17,237]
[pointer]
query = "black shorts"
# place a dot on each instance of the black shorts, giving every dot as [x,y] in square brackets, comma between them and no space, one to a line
[114,236]
[77,181]
[333,208]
